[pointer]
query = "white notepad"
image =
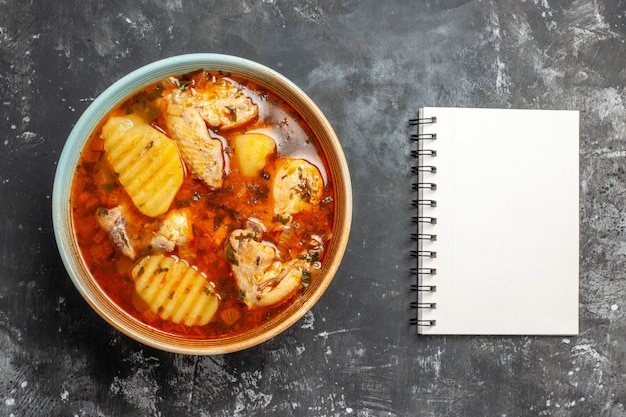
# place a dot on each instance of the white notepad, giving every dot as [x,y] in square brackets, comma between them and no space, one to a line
[505,257]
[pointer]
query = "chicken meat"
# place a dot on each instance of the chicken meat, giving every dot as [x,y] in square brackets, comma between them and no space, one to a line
[113,222]
[261,276]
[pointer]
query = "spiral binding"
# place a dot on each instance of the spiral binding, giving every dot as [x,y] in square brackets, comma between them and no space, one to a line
[421,153]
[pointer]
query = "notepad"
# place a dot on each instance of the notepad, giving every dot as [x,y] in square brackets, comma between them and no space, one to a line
[497,221]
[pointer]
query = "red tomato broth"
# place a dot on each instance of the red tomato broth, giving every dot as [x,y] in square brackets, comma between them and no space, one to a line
[213,214]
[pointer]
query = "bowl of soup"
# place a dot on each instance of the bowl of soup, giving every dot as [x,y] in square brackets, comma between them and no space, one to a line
[202,204]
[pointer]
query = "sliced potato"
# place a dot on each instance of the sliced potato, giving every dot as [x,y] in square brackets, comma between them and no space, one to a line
[146,161]
[252,151]
[297,186]
[174,291]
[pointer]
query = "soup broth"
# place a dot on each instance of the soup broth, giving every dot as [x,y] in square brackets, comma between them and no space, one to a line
[203,184]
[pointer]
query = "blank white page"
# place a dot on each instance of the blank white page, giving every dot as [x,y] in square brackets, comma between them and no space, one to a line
[507,222]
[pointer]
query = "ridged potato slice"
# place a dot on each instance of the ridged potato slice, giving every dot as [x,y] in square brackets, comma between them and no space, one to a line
[174,290]
[146,161]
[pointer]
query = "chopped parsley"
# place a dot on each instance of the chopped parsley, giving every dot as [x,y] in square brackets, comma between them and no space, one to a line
[230,255]
[233,112]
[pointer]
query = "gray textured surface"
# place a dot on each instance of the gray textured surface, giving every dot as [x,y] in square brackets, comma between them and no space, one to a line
[369,65]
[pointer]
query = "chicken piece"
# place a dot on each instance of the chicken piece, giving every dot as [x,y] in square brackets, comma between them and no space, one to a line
[297,185]
[222,105]
[112,221]
[263,279]
[174,231]
[203,154]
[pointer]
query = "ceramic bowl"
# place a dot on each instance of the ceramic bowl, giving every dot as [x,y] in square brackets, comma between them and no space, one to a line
[125,87]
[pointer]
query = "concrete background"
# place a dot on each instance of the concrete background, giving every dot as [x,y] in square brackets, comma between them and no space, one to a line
[369,65]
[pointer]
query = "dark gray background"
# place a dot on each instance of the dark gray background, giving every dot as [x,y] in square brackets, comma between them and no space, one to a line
[369,65]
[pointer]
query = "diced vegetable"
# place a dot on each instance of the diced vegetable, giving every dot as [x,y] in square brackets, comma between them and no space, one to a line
[252,151]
